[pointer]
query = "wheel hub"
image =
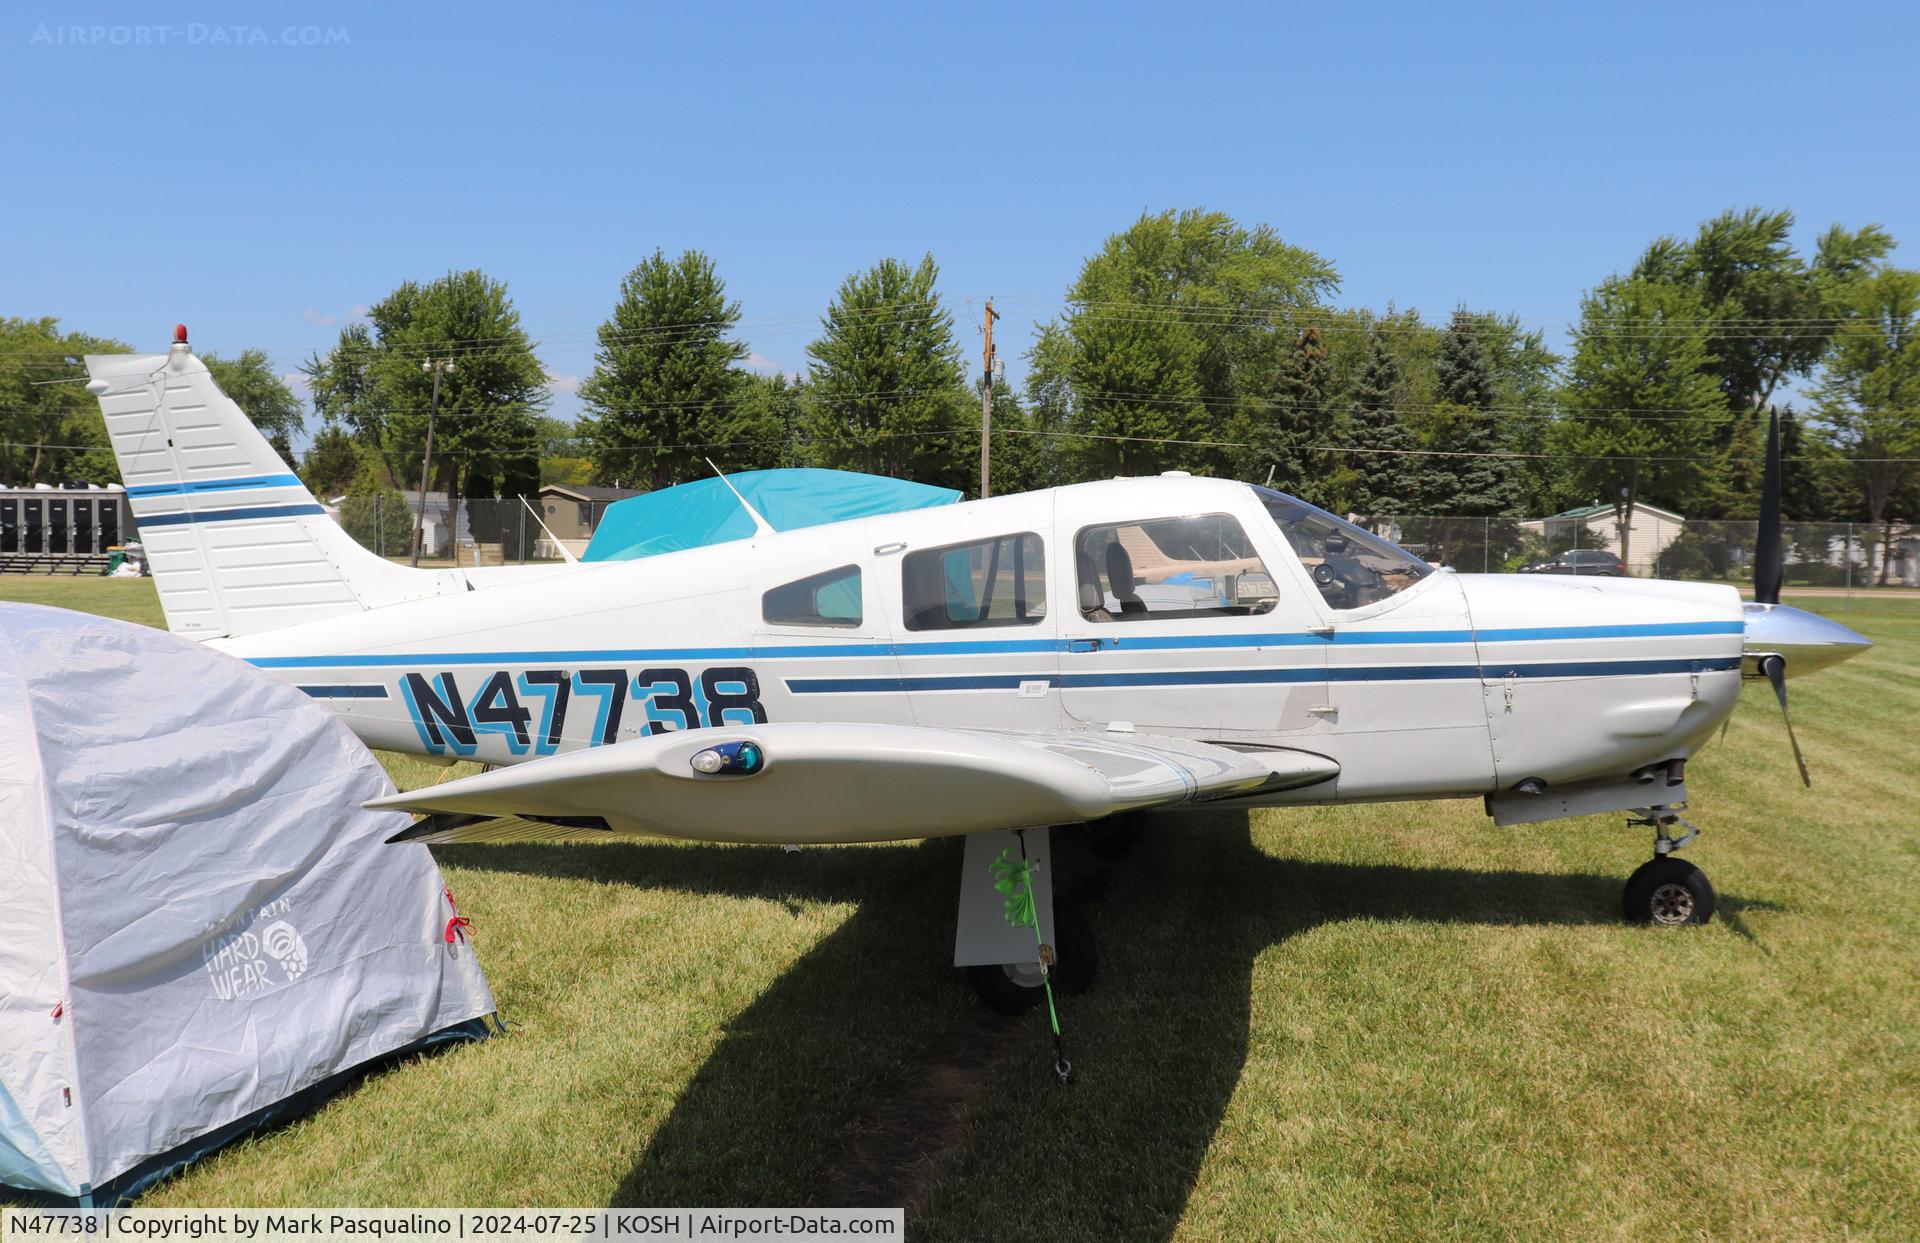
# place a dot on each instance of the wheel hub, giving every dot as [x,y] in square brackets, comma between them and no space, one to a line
[1672,904]
[1026,975]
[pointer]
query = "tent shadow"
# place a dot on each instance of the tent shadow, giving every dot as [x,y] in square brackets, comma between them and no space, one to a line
[868,1074]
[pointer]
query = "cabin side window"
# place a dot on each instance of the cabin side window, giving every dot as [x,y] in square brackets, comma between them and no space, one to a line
[1163,568]
[831,598]
[1000,581]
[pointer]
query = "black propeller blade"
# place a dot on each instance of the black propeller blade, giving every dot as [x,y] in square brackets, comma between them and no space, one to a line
[1769,558]
[1769,568]
[1776,670]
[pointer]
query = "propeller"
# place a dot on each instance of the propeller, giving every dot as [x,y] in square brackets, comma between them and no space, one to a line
[1769,559]
[1769,568]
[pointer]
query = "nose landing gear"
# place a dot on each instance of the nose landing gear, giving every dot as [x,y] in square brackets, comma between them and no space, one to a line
[1667,891]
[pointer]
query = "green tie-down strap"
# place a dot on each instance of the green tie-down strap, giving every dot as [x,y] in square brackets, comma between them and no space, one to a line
[1014,878]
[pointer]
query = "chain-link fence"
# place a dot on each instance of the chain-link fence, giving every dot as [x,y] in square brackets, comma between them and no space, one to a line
[1656,544]
[476,531]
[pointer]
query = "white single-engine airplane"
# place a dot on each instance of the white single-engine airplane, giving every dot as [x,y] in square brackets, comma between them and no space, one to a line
[990,668]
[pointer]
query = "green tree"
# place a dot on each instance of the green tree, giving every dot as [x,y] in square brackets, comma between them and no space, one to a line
[376,382]
[1055,456]
[1293,417]
[1384,470]
[1771,313]
[1177,331]
[332,463]
[1871,390]
[341,386]
[886,391]
[664,376]
[1024,460]
[262,395]
[375,513]
[762,430]
[1641,346]
[1464,421]
[563,457]
[52,429]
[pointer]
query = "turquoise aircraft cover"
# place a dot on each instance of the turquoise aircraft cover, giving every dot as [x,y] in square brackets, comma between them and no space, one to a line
[694,515]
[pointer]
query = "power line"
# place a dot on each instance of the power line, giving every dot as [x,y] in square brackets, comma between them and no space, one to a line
[970,432]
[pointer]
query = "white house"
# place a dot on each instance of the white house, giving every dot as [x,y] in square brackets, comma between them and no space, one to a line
[1651,531]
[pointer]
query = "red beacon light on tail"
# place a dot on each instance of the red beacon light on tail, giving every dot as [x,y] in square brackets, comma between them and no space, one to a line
[179,334]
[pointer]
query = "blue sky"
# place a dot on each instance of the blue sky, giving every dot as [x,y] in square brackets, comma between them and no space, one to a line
[260,171]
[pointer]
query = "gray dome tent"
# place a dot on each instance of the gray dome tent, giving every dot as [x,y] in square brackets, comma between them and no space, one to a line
[201,931]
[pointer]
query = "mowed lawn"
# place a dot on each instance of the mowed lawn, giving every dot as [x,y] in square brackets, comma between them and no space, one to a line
[1365,1023]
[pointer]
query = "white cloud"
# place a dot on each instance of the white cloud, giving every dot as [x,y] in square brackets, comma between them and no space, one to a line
[760,362]
[317,318]
[297,381]
[561,383]
[357,311]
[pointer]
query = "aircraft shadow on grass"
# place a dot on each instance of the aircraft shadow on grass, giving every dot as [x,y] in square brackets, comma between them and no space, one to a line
[869,1074]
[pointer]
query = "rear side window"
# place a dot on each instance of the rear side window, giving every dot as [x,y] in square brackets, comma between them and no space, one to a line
[828,599]
[993,582]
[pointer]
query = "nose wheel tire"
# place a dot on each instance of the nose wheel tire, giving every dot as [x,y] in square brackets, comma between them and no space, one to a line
[1014,988]
[1668,893]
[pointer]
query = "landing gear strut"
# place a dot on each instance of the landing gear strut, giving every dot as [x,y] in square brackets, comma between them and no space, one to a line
[1665,890]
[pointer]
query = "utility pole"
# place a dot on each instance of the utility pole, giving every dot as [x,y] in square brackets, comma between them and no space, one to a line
[438,366]
[986,407]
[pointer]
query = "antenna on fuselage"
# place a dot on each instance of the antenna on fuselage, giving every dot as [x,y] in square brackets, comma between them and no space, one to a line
[760,525]
[565,552]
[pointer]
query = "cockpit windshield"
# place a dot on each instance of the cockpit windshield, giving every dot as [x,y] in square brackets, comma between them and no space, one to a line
[1351,566]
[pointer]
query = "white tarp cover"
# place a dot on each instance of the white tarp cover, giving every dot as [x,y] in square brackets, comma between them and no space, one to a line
[197,919]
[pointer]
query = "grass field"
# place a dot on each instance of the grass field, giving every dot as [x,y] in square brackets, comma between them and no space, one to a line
[1376,1022]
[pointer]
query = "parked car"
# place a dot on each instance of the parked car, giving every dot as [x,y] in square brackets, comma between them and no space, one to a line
[1597,561]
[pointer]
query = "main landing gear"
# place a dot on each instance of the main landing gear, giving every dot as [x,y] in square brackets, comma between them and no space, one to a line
[1665,890]
[1013,938]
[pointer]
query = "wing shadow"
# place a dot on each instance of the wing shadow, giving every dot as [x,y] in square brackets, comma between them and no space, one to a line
[869,1074]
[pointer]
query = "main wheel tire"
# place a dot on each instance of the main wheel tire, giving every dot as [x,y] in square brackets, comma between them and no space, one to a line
[1668,892]
[1015,988]
[1114,835]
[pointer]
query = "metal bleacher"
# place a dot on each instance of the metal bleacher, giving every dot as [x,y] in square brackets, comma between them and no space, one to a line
[74,563]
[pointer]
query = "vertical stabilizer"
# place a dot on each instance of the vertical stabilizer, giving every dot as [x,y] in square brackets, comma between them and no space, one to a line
[236,542]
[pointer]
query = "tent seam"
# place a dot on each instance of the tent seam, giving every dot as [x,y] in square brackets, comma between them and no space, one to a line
[85,1181]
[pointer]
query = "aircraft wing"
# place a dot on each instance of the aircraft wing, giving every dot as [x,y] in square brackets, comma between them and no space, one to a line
[819,782]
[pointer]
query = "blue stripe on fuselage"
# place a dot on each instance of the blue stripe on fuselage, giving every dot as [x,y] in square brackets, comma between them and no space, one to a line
[996,647]
[1256,677]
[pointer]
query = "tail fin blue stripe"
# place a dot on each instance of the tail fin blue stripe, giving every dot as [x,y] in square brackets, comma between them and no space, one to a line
[228,515]
[216,485]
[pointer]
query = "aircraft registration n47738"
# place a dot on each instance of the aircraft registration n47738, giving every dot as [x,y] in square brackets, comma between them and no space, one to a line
[992,667]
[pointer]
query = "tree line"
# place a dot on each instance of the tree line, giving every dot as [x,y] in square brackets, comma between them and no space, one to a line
[1188,341]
